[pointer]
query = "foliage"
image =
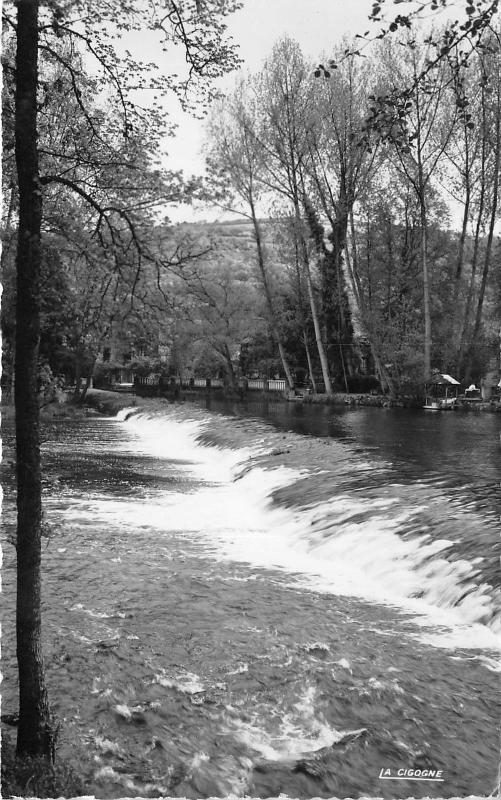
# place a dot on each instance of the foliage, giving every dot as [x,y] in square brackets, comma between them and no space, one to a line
[86,173]
[363,383]
[362,175]
[99,148]
[217,305]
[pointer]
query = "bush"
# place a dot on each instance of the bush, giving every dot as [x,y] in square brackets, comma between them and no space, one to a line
[142,367]
[103,374]
[363,383]
[48,384]
[36,777]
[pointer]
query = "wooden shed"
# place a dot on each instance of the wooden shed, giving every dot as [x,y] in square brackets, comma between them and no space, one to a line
[441,392]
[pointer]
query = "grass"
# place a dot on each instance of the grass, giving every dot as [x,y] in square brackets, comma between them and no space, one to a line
[36,777]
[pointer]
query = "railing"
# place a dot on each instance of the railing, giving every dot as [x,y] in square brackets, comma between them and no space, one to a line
[255,384]
[251,384]
[261,384]
[277,386]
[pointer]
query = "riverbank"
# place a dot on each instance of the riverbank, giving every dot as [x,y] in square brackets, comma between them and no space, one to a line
[108,402]
[382,401]
[335,399]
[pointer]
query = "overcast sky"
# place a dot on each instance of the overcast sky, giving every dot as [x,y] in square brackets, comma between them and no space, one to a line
[318,25]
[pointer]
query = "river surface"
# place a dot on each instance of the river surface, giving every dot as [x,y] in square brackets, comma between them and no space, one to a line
[271,598]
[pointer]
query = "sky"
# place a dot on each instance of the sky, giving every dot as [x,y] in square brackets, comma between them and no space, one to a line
[318,25]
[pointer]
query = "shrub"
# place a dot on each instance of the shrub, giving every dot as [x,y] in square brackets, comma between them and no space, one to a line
[36,777]
[363,383]
[103,374]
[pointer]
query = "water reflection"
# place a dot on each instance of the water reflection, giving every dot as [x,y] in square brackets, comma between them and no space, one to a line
[456,447]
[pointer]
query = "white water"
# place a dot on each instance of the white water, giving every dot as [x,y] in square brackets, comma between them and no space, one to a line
[326,546]
[301,731]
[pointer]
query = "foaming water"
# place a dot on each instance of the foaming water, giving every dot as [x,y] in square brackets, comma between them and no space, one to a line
[302,731]
[176,440]
[374,544]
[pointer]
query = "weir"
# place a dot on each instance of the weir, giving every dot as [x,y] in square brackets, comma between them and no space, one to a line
[342,519]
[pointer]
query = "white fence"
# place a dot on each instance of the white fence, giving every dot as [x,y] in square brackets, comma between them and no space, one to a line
[253,384]
[277,386]
[256,384]
[261,384]
[202,383]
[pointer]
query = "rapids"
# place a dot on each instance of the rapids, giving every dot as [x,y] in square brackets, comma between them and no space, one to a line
[271,600]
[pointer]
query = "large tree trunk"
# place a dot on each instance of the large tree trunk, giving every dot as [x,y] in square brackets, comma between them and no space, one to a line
[339,242]
[476,247]
[365,315]
[471,285]
[337,329]
[35,732]
[267,292]
[490,237]
[423,215]
[309,361]
[426,292]
[318,333]
[312,300]
[230,371]
[466,218]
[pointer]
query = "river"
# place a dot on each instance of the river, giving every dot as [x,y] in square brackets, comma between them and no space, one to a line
[271,598]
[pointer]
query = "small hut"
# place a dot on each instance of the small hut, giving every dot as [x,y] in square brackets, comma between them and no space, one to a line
[441,392]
